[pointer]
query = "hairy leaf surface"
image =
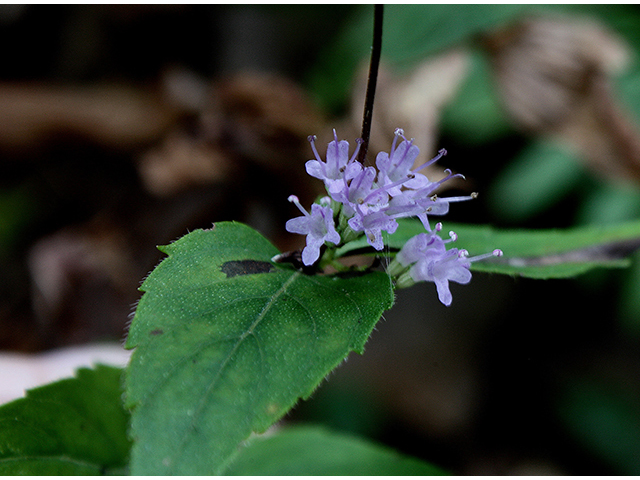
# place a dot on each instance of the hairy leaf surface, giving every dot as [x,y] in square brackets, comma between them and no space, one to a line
[226,343]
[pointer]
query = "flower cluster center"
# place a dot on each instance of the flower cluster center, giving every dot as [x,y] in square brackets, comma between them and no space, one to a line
[368,201]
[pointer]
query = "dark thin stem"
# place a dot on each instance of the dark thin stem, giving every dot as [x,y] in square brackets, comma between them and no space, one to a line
[376,48]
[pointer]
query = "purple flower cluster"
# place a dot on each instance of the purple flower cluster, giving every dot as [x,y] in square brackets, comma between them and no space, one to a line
[366,200]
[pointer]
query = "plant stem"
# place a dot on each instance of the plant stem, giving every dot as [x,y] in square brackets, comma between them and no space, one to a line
[376,48]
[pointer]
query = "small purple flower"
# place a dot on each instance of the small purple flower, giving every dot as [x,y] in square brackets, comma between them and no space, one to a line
[372,224]
[338,168]
[423,202]
[423,245]
[440,269]
[318,226]
[361,196]
[396,166]
[428,260]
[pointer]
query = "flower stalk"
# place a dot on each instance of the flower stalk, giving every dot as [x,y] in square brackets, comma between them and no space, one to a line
[374,64]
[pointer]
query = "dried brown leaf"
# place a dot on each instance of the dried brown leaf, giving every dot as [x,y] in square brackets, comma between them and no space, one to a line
[554,77]
[114,116]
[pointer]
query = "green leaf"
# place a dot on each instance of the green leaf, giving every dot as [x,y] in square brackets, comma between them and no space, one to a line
[227,342]
[532,253]
[542,174]
[72,427]
[316,451]
[629,303]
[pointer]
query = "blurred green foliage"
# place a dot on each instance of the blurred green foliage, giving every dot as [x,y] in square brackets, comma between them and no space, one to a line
[75,426]
[16,210]
[605,418]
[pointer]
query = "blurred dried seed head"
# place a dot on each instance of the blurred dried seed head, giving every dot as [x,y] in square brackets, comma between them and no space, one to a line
[605,135]
[267,119]
[554,77]
[186,89]
[247,120]
[412,102]
[181,162]
[545,67]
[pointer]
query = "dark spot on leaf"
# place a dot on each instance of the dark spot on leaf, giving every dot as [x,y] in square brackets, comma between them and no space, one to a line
[157,331]
[245,267]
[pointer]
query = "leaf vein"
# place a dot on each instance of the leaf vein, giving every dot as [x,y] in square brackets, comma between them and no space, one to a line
[214,381]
